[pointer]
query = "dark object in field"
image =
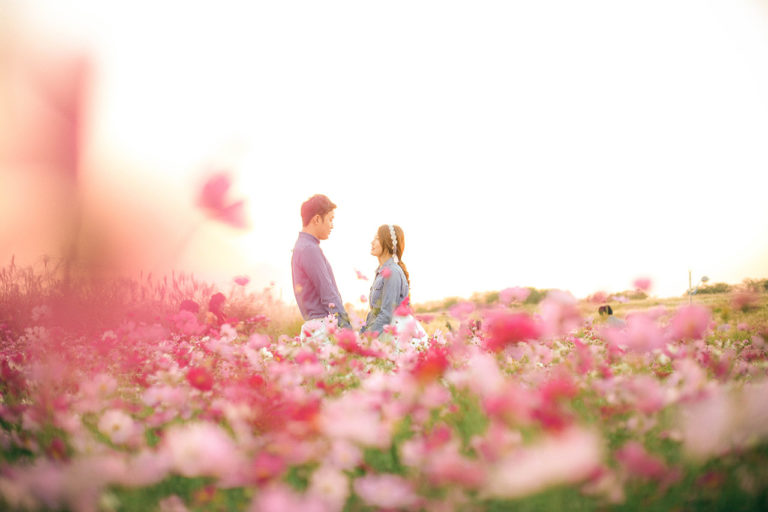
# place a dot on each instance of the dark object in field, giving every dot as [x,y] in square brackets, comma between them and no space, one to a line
[605,310]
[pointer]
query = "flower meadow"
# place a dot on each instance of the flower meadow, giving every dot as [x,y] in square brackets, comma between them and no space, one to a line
[170,395]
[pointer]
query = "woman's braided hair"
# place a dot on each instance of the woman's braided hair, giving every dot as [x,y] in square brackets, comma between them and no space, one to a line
[396,249]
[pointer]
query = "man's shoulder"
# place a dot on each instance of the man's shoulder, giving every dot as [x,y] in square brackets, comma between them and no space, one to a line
[304,247]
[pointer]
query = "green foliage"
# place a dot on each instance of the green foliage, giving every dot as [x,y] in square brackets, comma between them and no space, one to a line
[298,476]
[147,498]
[451,301]
[561,498]
[384,460]
[535,296]
[468,419]
[714,288]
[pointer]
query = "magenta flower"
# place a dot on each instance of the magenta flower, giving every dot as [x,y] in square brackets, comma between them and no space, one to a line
[431,364]
[404,308]
[200,378]
[214,202]
[267,466]
[360,275]
[503,328]
[242,280]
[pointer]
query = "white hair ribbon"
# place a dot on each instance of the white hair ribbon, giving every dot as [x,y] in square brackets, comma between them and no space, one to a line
[394,242]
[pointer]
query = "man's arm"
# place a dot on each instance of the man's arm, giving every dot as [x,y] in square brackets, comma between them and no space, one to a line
[314,266]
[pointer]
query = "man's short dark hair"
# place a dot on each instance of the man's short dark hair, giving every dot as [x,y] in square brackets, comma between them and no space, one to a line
[316,205]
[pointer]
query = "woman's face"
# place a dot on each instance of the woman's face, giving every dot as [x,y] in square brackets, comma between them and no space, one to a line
[376,249]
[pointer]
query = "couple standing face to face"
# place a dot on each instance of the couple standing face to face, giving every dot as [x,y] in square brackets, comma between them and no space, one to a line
[313,282]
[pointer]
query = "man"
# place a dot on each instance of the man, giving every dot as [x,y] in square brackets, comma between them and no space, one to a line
[313,283]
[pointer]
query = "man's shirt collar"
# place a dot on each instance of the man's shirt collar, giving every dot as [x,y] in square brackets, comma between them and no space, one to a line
[309,237]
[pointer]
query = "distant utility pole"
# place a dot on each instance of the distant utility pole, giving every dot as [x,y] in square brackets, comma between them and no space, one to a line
[690,288]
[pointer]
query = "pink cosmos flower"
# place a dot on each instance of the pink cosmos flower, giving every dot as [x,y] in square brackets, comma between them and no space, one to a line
[461,310]
[386,491]
[117,425]
[447,467]
[706,424]
[431,364]
[404,309]
[503,328]
[483,374]
[330,486]
[641,334]
[200,378]
[642,283]
[172,503]
[242,280]
[257,341]
[598,297]
[690,322]
[363,299]
[345,455]
[146,468]
[281,498]
[350,418]
[649,395]
[640,463]
[386,272]
[568,457]
[305,356]
[213,200]
[360,275]
[512,403]
[186,323]
[267,466]
[516,293]
[347,339]
[559,313]
[202,449]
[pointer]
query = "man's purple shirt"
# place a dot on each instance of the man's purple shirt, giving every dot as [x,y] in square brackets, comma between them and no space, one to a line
[313,283]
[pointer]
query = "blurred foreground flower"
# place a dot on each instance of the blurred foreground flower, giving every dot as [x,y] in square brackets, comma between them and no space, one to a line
[642,283]
[214,202]
[568,457]
[516,293]
[504,328]
[690,322]
[242,280]
[725,419]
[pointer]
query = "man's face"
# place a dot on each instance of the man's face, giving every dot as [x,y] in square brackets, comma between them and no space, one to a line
[326,225]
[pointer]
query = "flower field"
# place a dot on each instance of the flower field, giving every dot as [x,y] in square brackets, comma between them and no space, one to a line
[167,395]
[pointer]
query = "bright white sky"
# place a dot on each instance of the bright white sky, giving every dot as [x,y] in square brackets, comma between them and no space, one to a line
[555,144]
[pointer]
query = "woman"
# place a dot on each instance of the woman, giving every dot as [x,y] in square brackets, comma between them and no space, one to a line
[390,288]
